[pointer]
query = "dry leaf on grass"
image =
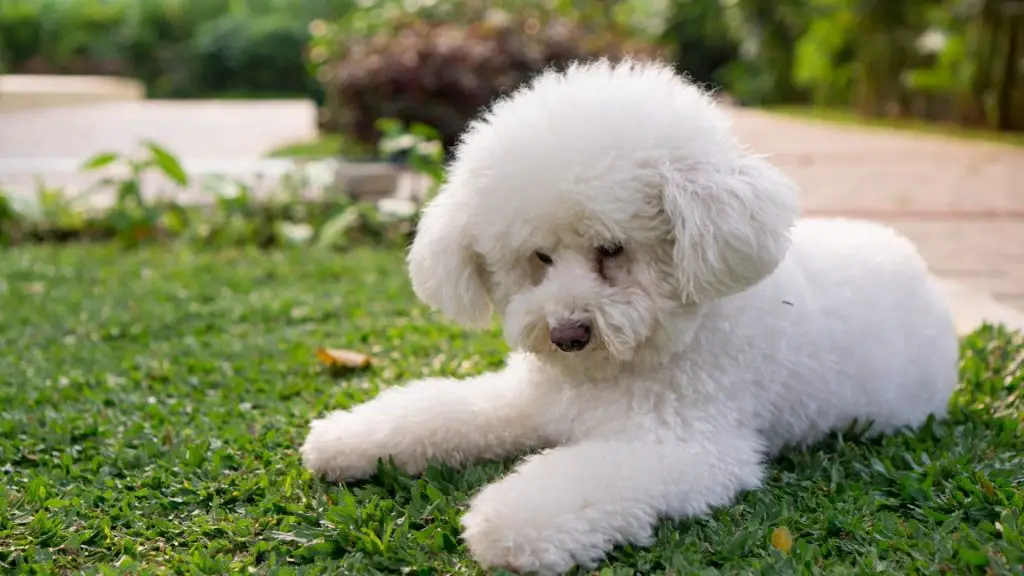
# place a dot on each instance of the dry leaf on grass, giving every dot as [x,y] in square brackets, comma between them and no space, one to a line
[782,539]
[339,358]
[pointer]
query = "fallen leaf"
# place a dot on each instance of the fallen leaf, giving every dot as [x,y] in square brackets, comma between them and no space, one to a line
[338,358]
[782,539]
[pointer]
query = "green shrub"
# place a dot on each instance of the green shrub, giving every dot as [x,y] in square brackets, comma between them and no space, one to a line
[442,73]
[153,39]
[48,37]
[699,34]
[251,52]
[178,48]
[20,33]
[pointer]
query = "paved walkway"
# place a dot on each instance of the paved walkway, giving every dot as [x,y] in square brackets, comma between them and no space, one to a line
[962,202]
[192,128]
[210,137]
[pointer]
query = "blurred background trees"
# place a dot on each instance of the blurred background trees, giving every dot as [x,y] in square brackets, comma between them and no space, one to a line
[437,62]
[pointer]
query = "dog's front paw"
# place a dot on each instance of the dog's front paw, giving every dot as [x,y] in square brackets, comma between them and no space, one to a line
[493,543]
[521,531]
[340,446]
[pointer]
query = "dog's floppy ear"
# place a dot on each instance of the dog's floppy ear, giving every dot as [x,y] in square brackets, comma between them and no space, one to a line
[730,224]
[446,272]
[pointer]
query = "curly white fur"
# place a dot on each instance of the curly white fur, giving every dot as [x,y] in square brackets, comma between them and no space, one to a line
[724,329]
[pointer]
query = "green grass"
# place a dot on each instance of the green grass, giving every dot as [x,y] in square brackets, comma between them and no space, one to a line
[151,404]
[326,146]
[848,117]
[247,95]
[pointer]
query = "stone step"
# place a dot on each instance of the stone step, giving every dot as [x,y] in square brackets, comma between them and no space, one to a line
[25,91]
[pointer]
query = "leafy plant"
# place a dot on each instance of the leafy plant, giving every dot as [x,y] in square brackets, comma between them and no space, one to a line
[134,218]
[442,72]
[10,220]
[698,30]
[178,48]
[300,208]
[251,53]
[823,62]
[419,145]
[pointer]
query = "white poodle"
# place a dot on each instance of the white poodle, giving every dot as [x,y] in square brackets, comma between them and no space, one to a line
[673,324]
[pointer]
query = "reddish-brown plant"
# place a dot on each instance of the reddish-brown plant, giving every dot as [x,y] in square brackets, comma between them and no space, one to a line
[442,73]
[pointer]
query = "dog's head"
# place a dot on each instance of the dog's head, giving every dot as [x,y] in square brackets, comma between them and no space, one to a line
[593,207]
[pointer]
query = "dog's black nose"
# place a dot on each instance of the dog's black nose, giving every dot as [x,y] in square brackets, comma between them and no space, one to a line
[570,337]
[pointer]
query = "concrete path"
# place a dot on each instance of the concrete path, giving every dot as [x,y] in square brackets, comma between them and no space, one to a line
[210,138]
[193,128]
[962,202]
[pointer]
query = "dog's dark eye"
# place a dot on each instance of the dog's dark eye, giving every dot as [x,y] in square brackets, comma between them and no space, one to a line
[610,250]
[544,258]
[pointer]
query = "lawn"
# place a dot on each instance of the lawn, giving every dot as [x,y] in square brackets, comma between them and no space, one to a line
[327,146]
[151,404]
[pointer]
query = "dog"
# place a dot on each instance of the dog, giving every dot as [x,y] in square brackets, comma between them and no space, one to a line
[674,320]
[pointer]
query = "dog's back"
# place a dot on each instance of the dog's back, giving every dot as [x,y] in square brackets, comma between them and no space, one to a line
[853,326]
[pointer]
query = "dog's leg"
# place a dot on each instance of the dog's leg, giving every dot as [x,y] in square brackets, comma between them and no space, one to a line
[571,505]
[453,421]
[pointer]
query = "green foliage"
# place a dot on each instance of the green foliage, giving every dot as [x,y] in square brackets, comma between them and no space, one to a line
[132,218]
[301,210]
[249,52]
[823,62]
[20,32]
[151,426]
[945,60]
[324,146]
[51,36]
[863,54]
[419,145]
[179,48]
[951,72]
[767,33]
[699,32]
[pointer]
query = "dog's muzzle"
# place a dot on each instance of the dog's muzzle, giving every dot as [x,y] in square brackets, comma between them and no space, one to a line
[571,337]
